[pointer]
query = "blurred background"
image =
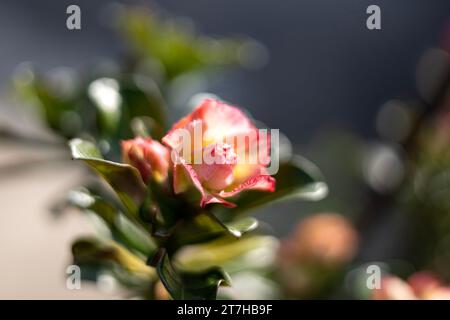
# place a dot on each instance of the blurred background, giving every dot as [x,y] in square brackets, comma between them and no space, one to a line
[347,97]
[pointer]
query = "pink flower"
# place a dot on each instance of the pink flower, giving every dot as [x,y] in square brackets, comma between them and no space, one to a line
[393,288]
[150,157]
[423,282]
[422,285]
[428,286]
[217,149]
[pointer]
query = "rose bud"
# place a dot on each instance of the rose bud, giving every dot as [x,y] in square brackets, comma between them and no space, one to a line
[393,288]
[148,156]
[325,238]
[212,149]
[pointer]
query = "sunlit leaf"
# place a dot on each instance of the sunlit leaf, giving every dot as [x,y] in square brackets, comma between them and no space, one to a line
[123,229]
[237,227]
[94,251]
[205,226]
[228,253]
[105,95]
[191,285]
[124,179]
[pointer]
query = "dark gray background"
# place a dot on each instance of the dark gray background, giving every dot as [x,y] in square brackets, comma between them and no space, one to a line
[325,69]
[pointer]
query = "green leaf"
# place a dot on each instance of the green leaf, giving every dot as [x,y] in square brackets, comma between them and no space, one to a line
[142,98]
[174,47]
[55,101]
[296,179]
[231,254]
[206,226]
[84,150]
[238,227]
[123,229]
[184,285]
[124,179]
[97,258]
[104,94]
[92,251]
[146,127]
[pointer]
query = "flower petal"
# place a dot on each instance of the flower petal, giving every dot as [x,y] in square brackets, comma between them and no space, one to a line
[179,186]
[261,182]
[149,156]
[219,121]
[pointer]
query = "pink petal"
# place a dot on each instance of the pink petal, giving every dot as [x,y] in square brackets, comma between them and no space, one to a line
[207,198]
[216,171]
[261,182]
[222,119]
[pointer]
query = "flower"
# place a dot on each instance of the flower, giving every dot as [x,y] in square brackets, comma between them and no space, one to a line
[324,238]
[227,154]
[318,248]
[424,283]
[421,285]
[393,288]
[150,157]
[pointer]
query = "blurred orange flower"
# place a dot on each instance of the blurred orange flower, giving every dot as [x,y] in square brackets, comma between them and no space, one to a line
[325,238]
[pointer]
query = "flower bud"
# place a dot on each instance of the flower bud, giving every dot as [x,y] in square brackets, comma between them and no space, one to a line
[150,157]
